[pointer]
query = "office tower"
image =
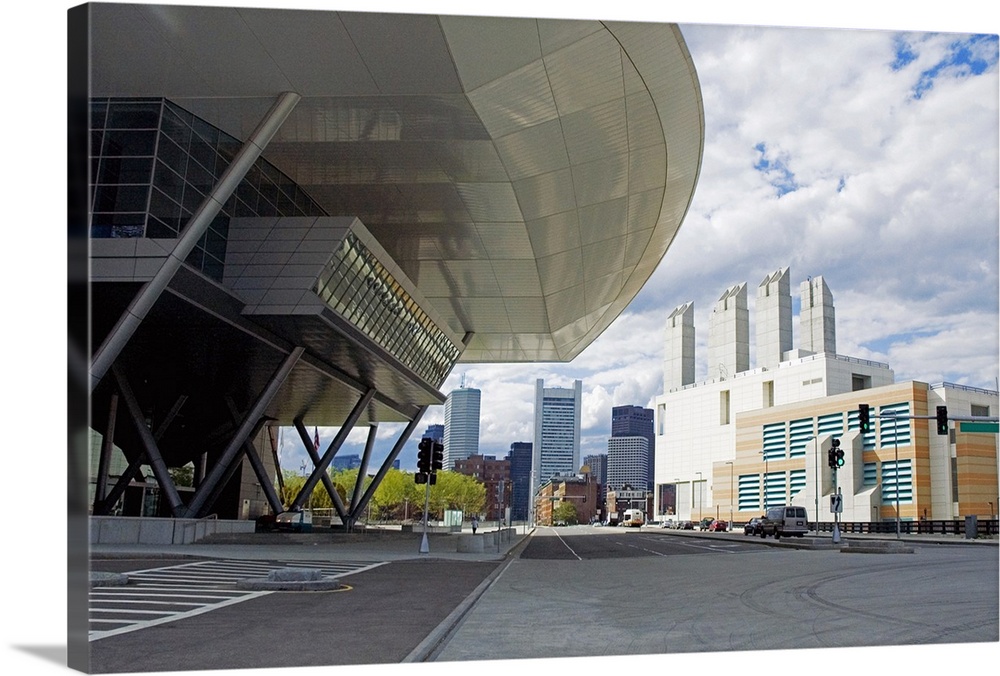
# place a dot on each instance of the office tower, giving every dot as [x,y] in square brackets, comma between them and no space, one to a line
[729,334]
[636,421]
[520,478]
[628,463]
[435,432]
[461,425]
[678,352]
[598,465]
[773,319]
[557,431]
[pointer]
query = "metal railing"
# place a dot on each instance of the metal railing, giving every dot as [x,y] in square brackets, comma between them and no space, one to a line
[984,527]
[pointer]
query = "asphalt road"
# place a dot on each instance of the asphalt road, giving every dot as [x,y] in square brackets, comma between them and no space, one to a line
[381,618]
[675,594]
[565,592]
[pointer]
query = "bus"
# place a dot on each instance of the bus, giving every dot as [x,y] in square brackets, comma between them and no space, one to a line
[633,518]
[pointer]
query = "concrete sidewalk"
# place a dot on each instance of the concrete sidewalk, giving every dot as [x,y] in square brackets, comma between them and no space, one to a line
[380,545]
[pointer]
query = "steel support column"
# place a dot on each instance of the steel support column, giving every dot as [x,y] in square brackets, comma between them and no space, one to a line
[391,458]
[331,489]
[107,446]
[250,451]
[331,451]
[252,418]
[231,470]
[137,310]
[359,485]
[156,463]
[112,498]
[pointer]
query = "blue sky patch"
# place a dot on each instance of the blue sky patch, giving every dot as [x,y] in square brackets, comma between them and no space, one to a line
[965,58]
[775,171]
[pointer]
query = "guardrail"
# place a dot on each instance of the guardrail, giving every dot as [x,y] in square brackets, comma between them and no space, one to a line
[984,527]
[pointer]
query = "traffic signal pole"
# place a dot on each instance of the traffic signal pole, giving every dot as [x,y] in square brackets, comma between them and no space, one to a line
[941,418]
[424,546]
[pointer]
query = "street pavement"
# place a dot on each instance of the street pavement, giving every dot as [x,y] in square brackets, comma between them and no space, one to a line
[445,606]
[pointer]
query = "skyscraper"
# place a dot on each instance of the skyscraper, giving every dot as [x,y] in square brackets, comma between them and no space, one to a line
[636,421]
[435,432]
[557,431]
[461,425]
[520,478]
[598,465]
[628,463]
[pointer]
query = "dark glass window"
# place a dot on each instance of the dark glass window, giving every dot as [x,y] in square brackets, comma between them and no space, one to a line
[121,198]
[128,142]
[134,115]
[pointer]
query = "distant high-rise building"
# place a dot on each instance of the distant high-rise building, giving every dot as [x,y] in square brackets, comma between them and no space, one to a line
[461,425]
[598,465]
[636,421]
[520,479]
[628,463]
[342,462]
[435,432]
[557,432]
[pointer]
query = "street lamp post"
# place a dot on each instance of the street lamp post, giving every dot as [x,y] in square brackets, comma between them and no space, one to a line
[731,470]
[765,478]
[698,498]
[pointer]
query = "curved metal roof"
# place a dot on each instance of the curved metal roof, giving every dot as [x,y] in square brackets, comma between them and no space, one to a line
[527,175]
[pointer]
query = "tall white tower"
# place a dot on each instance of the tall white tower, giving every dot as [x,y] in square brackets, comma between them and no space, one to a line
[461,425]
[678,353]
[729,334]
[818,332]
[773,318]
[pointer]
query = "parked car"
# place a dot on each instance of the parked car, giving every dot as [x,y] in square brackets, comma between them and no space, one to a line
[705,523]
[718,526]
[669,523]
[686,525]
[752,527]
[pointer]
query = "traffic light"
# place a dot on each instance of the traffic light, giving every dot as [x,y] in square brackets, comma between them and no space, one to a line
[835,456]
[424,455]
[864,419]
[942,420]
[420,478]
[437,456]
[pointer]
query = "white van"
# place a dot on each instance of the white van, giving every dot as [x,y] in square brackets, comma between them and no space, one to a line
[785,520]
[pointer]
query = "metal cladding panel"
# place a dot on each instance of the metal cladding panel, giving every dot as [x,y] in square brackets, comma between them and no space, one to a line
[452,139]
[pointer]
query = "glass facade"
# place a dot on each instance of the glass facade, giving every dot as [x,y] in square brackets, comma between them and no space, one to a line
[152,165]
[360,289]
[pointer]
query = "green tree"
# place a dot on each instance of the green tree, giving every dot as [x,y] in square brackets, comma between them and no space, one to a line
[564,512]
[456,491]
[318,499]
[182,476]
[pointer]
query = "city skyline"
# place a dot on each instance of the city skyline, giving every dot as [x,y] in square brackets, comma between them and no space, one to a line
[879,190]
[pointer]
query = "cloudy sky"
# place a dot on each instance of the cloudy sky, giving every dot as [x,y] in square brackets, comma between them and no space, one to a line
[866,156]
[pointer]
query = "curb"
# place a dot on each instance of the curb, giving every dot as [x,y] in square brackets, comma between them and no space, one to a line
[435,641]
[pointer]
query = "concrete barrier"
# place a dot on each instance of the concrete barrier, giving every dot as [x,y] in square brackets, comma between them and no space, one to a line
[470,544]
[131,530]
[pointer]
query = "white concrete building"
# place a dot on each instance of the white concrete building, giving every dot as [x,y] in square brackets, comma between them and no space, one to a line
[737,443]
[695,423]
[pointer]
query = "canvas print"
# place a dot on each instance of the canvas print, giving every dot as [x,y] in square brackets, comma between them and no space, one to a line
[408,338]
